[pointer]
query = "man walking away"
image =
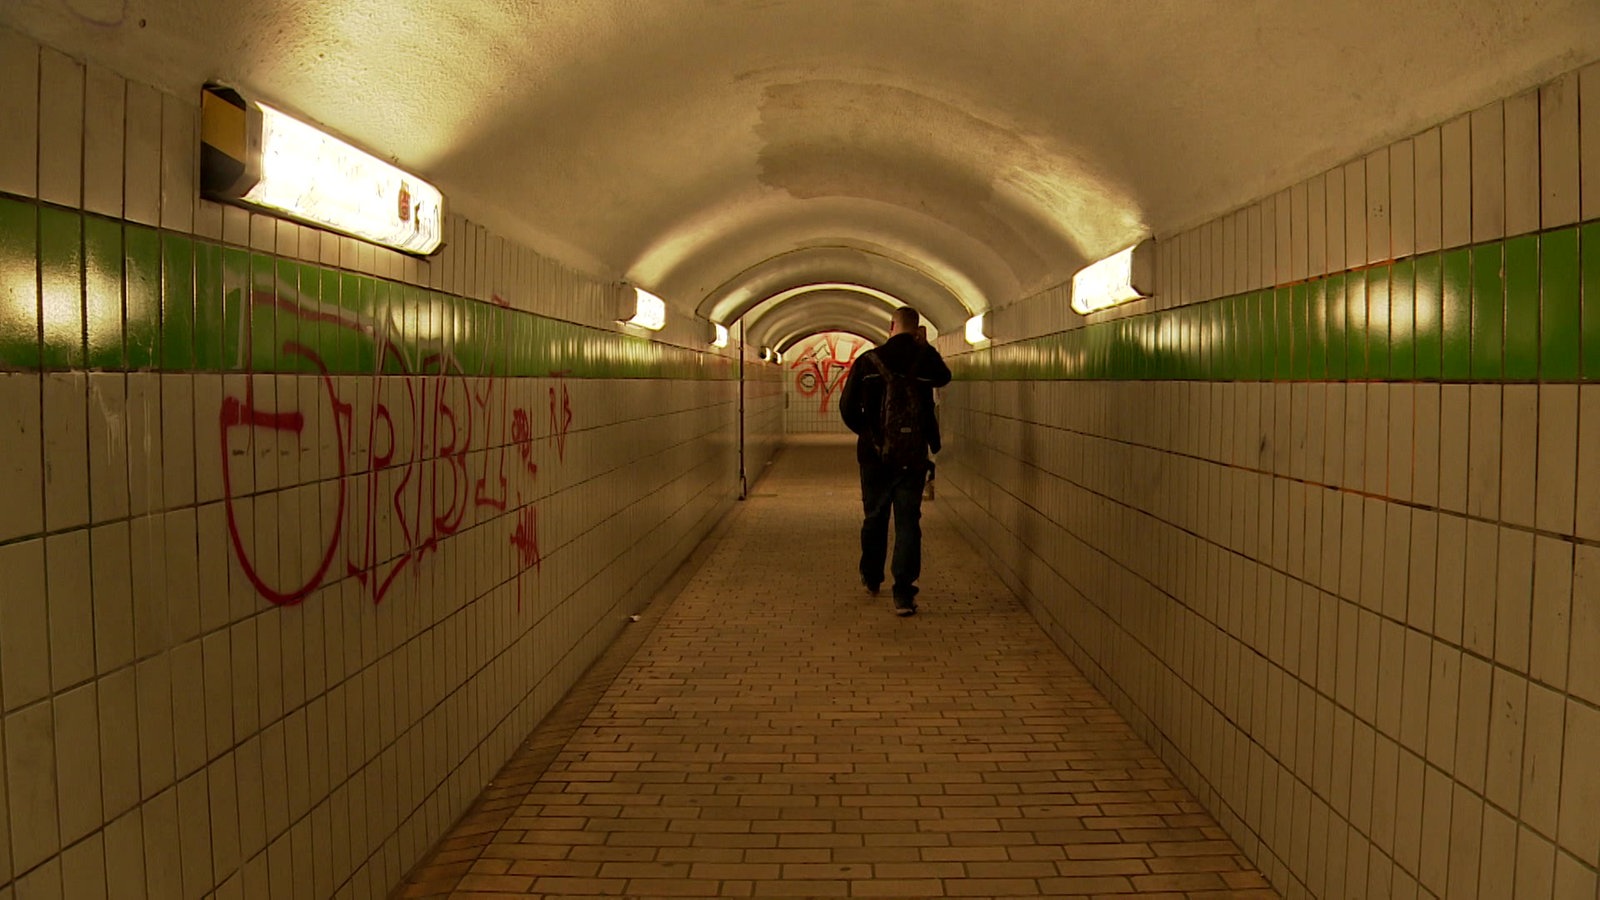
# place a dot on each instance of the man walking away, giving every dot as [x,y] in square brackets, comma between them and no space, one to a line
[887,403]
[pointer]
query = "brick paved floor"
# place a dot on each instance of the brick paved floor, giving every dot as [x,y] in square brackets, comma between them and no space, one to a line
[772,731]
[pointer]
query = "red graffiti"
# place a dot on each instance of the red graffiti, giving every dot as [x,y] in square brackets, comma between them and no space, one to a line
[522,434]
[823,368]
[560,416]
[400,461]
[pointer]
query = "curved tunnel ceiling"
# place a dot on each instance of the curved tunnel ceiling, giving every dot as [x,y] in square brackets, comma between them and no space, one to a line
[788,318]
[968,153]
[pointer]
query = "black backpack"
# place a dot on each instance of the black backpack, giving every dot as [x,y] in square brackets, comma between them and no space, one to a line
[899,439]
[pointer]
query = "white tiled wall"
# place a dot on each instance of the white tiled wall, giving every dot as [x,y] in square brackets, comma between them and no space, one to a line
[1360,620]
[166,731]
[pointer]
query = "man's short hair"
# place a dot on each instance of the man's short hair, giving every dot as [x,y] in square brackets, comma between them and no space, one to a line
[907,318]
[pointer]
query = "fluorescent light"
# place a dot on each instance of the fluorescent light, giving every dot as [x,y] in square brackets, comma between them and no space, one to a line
[975,333]
[777,356]
[650,311]
[257,155]
[722,336]
[1105,283]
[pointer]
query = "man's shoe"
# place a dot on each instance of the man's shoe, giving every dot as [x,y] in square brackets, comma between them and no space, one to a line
[871,588]
[903,611]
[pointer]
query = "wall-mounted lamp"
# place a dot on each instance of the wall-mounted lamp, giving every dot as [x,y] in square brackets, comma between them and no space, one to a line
[766,354]
[721,338]
[253,154]
[1118,278]
[975,333]
[649,311]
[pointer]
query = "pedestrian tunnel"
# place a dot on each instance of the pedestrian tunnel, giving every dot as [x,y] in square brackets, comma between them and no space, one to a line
[342,523]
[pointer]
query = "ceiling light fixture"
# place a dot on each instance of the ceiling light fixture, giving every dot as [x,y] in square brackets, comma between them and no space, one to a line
[1118,278]
[721,340]
[255,155]
[975,333]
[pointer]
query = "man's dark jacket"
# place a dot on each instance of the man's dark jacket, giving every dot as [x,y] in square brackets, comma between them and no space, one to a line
[861,403]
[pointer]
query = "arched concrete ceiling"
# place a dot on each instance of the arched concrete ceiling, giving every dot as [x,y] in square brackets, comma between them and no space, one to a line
[864,314]
[787,342]
[988,146]
[796,271]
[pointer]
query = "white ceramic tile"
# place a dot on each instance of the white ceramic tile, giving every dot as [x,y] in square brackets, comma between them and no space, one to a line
[1552,610]
[66,450]
[1519,455]
[71,612]
[1466,844]
[77,731]
[24,628]
[1579,828]
[1452,588]
[1427,188]
[83,870]
[60,128]
[1574,879]
[1298,231]
[1514,599]
[1522,163]
[208,217]
[1488,172]
[1587,503]
[236,226]
[141,174]
[1559,151]
[1444,688]
[1424,580]
[1454,437]
[19,109]
[1269,241]
[31,775]
[118,781]
[144,443]
[287,240]
[1438,795]
[1355,437]
[1589,138]
[1484,452]
[147,541]
[108,458]
[124,839]
[1558,451]
[104,114]
[1402,199]
[1541,760]
[21,459]
[1355,212]
[1584,672]
[153,679]
[1333,225]
[112,582]
[188,708]
[1284,233]
[1455,183]
[1402,457]
[43,882]
[1374,540]
[1377,202]
[1507,727]
[1497,864]
[1376,454]
[178,444]
[194,835]
[163,870]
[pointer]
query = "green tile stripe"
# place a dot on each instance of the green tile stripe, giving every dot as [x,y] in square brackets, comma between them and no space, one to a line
[80,291]
[1523,309]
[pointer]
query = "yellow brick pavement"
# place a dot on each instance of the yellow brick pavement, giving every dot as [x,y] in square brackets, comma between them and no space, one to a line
[772,731]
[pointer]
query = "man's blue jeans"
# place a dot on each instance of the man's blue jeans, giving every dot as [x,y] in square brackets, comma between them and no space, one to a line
[884,490]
